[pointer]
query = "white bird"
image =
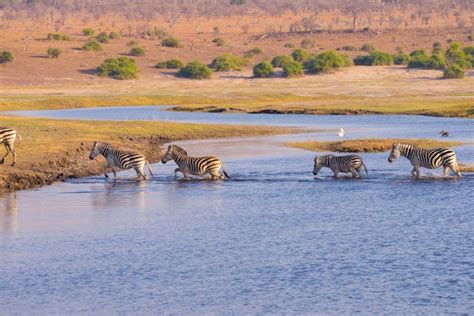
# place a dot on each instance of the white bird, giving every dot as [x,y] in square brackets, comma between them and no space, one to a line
[341,133]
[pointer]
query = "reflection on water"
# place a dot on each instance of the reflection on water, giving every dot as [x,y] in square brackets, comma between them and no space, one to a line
[273,240]
[8,213]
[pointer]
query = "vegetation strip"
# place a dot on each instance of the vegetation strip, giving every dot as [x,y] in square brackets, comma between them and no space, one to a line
[371,145]
[55,150]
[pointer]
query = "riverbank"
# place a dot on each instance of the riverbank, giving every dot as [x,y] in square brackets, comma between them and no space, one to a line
[56,150]
[374,145]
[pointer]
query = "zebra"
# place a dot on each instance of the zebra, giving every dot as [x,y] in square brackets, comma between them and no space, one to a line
[120,159]
[348,163]
[7,137]
[200,166]
[427,158]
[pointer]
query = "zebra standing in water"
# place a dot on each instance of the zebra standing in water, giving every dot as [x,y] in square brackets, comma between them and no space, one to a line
[349,163]
[188,165]
[120,159]
[7,137]
[426,158]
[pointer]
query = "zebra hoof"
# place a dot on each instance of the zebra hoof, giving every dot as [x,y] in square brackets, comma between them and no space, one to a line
[13,164]
[1,161]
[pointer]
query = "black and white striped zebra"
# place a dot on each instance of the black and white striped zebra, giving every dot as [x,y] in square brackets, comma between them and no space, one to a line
[200,166]
[344,164]
[7,138]
[117,158]
[427,158]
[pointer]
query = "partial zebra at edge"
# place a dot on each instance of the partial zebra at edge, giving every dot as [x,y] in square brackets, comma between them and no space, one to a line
[7,138]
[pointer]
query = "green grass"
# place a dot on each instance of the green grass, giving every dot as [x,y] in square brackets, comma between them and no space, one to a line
[369,145]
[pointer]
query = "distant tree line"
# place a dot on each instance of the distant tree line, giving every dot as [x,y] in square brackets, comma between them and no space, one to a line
[149,9]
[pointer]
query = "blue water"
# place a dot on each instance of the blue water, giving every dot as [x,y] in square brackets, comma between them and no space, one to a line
[274,240]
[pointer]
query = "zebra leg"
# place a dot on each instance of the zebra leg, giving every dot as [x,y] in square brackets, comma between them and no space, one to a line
[105,170]
[140,174]
[416,170]
[354,173]
[336,173]
[12,149]
[455,169]
[176,172]
[6,154]
[446,171]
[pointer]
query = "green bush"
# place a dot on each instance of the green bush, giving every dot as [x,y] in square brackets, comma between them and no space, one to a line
[292,69]
[469,53]
[254,51]
[114,35]
[132,43]
[307,43]
[326,61]
[349,48]
[367,48]
[171,42]
[437,48]
[170,64]
[454,71]
[118,68]
[5,57]
[300,55]
[88,31]
[419,59]
[455,55]
[436,61]
[375,58]
[92,45]
[137,51]
[401,59]
[58,37]
[280,61]
[54,52]
[263,70]
[103,38]
[289,45]
[228,62]
[195,70]
[219,41]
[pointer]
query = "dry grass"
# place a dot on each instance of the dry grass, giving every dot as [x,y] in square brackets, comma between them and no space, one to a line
[368,145]
[466,168]
[355,90]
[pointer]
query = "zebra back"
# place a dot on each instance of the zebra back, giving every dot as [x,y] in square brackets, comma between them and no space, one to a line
[7,135]
[430,158]
[124,159]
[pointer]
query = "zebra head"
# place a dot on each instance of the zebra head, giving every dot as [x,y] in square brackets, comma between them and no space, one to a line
[321,161]
[172,151]
[94,151]
[395,153]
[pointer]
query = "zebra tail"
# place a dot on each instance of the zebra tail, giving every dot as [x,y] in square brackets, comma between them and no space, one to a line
[225,172]
[149,169]
[365,168]
[19,136]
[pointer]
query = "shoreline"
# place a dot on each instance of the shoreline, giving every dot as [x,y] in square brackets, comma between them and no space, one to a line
[54,150]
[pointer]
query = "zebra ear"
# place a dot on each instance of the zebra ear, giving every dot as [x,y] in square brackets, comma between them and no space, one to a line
[95,143]
[169,147]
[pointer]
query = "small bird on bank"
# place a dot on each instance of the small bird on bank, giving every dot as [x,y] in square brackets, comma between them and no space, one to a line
[444,133]
[341,133]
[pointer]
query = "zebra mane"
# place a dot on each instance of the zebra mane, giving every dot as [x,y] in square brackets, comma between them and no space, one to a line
[179,150]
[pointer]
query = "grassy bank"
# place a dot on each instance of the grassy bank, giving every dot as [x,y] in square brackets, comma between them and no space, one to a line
[368,145]
[284,103]
[53,150]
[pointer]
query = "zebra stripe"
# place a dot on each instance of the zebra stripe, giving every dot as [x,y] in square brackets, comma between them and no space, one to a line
[345,164]
[427,158]
[194,166]
[7,138]
[120,159]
